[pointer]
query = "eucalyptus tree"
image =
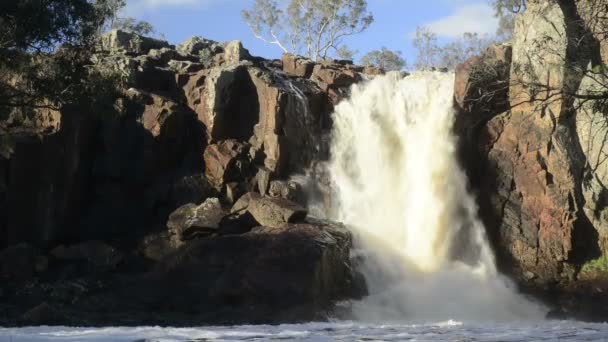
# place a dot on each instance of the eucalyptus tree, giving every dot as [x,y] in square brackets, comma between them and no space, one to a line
[312,27]
[385,59]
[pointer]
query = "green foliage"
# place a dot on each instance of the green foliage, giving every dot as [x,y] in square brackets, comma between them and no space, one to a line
[597,266]
[312,27]
[42,25]
[131,25]
[385,59]
[44,52]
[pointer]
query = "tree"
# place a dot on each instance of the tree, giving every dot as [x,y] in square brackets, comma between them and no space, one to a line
[43,50]
[131,25]
[385,59]
[463,48]
[425,42]
[110,9]
[314,27]
[431,54]
[344,53]
[505,11]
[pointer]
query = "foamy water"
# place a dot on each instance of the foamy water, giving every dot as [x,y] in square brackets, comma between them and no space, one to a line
[399,186]
[337,331]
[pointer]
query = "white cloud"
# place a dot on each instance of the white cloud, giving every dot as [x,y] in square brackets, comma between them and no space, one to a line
[477,18]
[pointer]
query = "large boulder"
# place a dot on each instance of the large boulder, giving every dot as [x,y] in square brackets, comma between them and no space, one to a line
[266,275]
[297,66]
[191,221]
[271,212]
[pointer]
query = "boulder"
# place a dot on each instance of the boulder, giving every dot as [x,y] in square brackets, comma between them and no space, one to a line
[118,41]
[297,66]
[225,162]
[270,212]
[194,45]
[268,274]
[192,221]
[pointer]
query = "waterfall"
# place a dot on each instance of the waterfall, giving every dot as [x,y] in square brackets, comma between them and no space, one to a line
[423,250]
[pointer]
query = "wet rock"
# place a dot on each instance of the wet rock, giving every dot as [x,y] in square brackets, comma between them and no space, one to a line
[334,79]
[192,221]
[288,190]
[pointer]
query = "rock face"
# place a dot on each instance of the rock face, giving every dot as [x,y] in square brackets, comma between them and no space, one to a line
[99,203]
[532,149]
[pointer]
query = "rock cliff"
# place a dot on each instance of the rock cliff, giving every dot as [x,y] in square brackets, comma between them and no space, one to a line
[533,148]
[153,175]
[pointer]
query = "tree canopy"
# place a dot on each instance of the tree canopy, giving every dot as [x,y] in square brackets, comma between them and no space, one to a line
[313,27]
[385,59]
[43,48]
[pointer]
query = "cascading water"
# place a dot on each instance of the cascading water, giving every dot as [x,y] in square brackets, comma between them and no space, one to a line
[425,254]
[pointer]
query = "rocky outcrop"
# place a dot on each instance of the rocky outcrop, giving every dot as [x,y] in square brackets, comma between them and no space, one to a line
[532,150]
[292,272]
[135,192]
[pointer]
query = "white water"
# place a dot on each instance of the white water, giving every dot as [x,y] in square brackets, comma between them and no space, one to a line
[399,186]
[314,332]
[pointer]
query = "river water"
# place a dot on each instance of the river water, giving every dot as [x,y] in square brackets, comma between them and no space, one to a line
[336,331]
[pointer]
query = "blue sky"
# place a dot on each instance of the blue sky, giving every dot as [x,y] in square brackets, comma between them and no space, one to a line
[395,22]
